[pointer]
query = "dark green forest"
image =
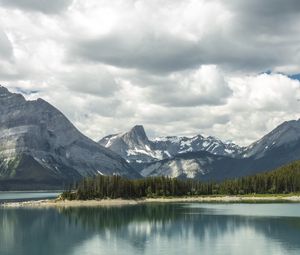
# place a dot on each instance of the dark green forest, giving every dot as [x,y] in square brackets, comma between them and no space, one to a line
[284,180]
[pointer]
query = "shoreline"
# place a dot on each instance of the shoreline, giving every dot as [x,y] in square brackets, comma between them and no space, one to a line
[48,203]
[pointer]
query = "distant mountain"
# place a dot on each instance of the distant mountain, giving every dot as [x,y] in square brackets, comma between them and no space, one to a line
[40,148]
[285,135]
[210,167]
[135,147]
[186,165]
[174,145]
[211,159]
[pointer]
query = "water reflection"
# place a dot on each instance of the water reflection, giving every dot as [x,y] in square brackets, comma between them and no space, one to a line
[151,229]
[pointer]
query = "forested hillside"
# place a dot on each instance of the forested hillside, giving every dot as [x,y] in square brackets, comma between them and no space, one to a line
[283,180]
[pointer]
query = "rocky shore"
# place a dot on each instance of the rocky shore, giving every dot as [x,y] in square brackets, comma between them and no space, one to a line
[121,202]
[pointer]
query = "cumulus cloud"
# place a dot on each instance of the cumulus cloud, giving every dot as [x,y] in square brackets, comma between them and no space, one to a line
[203,86]
[144,42]
[44,6]
[265,92]
[178,67]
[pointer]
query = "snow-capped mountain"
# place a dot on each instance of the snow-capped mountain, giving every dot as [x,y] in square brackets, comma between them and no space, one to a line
[135,146]
[279,147]
[39,145]
[174,145]
[208,158]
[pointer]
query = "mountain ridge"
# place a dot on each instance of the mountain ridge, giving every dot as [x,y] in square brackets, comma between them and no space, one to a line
[149,150]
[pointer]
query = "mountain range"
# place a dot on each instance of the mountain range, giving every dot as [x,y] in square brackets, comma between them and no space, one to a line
[41,149]
[136,147]
[205,158]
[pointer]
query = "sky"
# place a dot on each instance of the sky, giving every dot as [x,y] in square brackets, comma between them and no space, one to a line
[226,68]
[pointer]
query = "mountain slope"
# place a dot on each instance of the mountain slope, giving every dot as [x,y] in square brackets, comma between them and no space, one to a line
[286,134]
[39,144]
[197,165]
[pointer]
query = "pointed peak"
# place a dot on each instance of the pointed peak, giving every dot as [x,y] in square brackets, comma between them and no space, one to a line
[3,90]
[5,94]
[138,131]
[138,127]
[199,136]
[211,138]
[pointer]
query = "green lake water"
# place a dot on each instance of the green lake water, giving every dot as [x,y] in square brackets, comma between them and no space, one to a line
[181,228]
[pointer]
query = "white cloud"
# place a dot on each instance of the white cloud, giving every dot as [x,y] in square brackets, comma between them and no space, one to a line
[203,86]
[178,67]
[258,104]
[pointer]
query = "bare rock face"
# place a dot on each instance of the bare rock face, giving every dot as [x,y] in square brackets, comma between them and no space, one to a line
[38,144]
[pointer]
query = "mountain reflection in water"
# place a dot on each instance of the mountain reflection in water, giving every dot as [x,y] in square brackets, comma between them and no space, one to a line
[152,229]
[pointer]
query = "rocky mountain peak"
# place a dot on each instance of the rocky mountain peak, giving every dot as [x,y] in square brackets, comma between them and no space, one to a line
[3,89]
[138,132]
[9,98]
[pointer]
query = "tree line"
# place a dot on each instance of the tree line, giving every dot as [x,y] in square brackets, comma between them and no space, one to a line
[283,180]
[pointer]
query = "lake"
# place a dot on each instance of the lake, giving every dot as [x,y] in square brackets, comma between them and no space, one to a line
[181,228]
[14,196]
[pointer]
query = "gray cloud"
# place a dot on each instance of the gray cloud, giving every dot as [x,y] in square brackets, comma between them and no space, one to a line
[6,50]
[267,10]
[250,38]
[163,54]
[7,68]
[44,6]
[95,81]
[169,54]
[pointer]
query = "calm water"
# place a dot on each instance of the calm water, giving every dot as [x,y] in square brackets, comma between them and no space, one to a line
[26,196]
[190,228]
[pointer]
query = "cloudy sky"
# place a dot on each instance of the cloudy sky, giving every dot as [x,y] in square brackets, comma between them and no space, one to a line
[227,68]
